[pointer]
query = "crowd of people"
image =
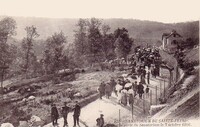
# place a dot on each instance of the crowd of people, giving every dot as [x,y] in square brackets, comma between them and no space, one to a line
[144,63]
[123,89]
[146,57]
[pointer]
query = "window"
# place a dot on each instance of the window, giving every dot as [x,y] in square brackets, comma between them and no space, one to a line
[174,42]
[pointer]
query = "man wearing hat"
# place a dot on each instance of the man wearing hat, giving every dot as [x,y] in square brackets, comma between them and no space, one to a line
[140,90]
[65,111]
[54,114]
[135,88]
[100,121]
[77,111]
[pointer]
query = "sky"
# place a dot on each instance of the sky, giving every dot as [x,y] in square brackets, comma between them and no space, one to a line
[167,11]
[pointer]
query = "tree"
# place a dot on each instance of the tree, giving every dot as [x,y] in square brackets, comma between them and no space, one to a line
[7,28]
[27,47]
[94,39]
[105,29]
[107,43]
[65,62]
[54,52]
[80,40]
[123,43]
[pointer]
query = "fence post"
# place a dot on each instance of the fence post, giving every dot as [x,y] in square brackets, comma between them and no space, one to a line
[119,117]
[160,89]
[143,103]
[132,110]
[150,98]
[164,88]
[156,95]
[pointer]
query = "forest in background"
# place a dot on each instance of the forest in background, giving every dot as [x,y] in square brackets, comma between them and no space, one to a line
[38,46]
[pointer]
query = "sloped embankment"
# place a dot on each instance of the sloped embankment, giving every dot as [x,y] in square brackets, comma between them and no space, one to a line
[183,96]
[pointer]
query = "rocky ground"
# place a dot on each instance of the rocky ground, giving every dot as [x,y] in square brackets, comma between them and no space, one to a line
[83,89]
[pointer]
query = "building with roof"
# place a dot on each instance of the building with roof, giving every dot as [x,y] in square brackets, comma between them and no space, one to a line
[170,41]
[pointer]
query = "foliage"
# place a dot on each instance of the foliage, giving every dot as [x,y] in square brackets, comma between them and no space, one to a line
[123,43]
[53,54]
[80,45]
[7,51]
[108,40]
[29,58]
[92,42]
[95,43]
[94,39]
[81,37]
[7,28]
[189,43]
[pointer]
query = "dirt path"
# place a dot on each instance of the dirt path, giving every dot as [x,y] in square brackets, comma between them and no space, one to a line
[92,111]
[110,107]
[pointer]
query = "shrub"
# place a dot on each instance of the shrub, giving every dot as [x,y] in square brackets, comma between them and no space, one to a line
[46,101]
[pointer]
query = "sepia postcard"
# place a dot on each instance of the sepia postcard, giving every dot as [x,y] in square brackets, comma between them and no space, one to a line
[99,63]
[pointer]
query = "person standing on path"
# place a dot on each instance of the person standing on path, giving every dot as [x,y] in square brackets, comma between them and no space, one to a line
[135,88]
[130,99]
[140,90]
[54,114]
[142,76]
[108,90]
[100,121]
[124,97]
[113,84]
[77,111]
[65,111]
[147,91]
[148,77]
[101,89]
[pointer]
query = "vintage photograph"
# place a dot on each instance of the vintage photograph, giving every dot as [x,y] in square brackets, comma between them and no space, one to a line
[99,63]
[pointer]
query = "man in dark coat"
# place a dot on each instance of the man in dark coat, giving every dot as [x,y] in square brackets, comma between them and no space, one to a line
[108,90]
[77,111]
[65,111]
[140,90]
[147,91]
[54,114]
[101,89]
[144,72]
[135,88]
[142,76]
[148,77]
[131,99]
[100,121]
[113,83]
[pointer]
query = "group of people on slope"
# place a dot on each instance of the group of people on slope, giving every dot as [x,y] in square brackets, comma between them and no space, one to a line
[123,89]
[149,57]
[107,88]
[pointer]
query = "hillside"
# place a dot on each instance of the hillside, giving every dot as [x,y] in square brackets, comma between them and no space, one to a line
[183,96]
[138,29]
